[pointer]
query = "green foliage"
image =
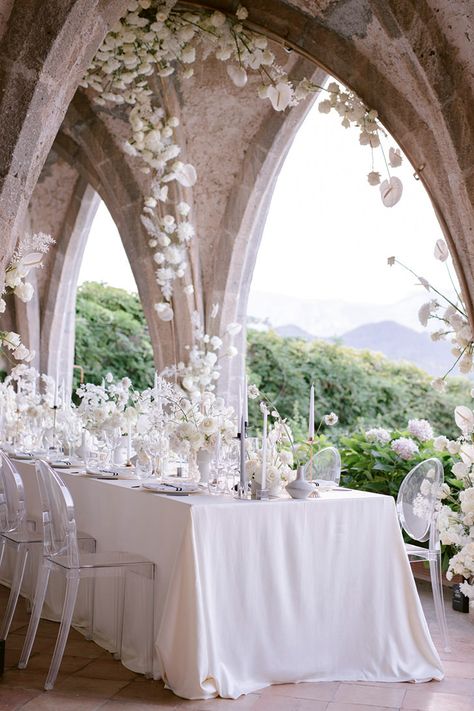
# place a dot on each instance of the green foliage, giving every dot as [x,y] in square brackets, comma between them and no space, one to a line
[112,335]
[374,466]
[365,389]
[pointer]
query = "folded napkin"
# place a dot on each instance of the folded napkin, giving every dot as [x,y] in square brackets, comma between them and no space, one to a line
[65,463]
[325,484]
[165,487]
[111,472]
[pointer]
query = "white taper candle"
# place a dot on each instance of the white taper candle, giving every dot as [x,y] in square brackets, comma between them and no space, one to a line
[311,414]
[264,449]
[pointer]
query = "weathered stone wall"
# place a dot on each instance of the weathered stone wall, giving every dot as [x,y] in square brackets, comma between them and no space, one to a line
[412,60]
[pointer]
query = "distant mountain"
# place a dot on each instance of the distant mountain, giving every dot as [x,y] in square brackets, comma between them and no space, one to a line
[292,331]
[398,342]
[395,341]
[331,318]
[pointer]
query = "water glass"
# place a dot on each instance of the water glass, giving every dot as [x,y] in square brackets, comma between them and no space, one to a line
[143,466]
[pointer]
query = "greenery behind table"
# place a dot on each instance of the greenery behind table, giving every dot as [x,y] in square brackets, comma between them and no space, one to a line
[364,388]
[112,336]
[375,466]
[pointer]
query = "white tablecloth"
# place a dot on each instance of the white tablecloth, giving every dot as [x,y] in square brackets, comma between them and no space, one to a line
[255,593]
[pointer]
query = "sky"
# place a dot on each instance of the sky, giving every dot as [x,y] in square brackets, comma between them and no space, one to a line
[327,235]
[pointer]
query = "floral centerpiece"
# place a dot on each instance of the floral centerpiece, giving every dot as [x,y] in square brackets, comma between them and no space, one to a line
[283,452]
[107,408]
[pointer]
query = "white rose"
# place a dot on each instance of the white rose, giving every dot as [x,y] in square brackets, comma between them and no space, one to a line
[209,425]
[24,291]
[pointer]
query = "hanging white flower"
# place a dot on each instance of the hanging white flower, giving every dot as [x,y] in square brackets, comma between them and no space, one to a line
[373,178]
[391,191]
[185,174]
[441,251]
[280,95]
[233,329]
[242,13]
[464,418]
[424,313]
[237,74]
[164,311]
[395,157]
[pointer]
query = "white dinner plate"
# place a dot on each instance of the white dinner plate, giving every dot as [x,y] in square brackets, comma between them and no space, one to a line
[117,473]
[179,489]
[65,464]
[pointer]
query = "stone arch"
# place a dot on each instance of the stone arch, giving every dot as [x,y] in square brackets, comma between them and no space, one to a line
[59,307]
[45,48]
[86,142]
[409,62]
[244,221]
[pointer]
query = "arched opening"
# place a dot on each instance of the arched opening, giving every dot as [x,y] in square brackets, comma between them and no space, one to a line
[111,333]
[321,268]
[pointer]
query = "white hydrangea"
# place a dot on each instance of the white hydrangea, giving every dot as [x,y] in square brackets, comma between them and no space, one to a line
[405,447]
[378,434]
[421,429]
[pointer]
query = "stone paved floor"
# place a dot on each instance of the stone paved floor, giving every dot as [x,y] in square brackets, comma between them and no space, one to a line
[90,679]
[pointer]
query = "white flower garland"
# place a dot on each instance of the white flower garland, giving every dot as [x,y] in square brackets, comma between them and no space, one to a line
[27,256]
[154,37]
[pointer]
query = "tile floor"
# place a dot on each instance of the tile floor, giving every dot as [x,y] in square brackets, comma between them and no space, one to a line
[90,679]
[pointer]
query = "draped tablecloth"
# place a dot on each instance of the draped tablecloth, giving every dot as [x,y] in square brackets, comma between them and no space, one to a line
[256,593]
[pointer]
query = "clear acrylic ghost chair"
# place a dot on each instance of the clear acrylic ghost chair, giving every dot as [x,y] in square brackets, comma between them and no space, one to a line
[20,533]
[417,512]
[324,466]
[61,554]
[13,531]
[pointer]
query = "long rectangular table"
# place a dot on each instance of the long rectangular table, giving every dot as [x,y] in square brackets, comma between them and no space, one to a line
[256,593]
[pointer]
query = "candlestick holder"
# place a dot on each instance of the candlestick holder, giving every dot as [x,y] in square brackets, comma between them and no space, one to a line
[242,492]
[262,495]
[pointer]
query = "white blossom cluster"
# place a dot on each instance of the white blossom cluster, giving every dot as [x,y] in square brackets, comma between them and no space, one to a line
[405,447]
[27,256]
[353,112]
[108,406]
[202,424]
[450,316]
[26,406]
[378,434]
[456,517]
[280,456]
[202,370]
[155,38]
[421,429]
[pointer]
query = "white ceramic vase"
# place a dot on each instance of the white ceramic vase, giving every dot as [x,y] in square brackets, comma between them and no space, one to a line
[299,488]
[203,460]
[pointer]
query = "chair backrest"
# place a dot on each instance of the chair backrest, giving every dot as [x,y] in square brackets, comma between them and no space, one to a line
[60,532]
[418,496]
[12,497]
[327,465]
